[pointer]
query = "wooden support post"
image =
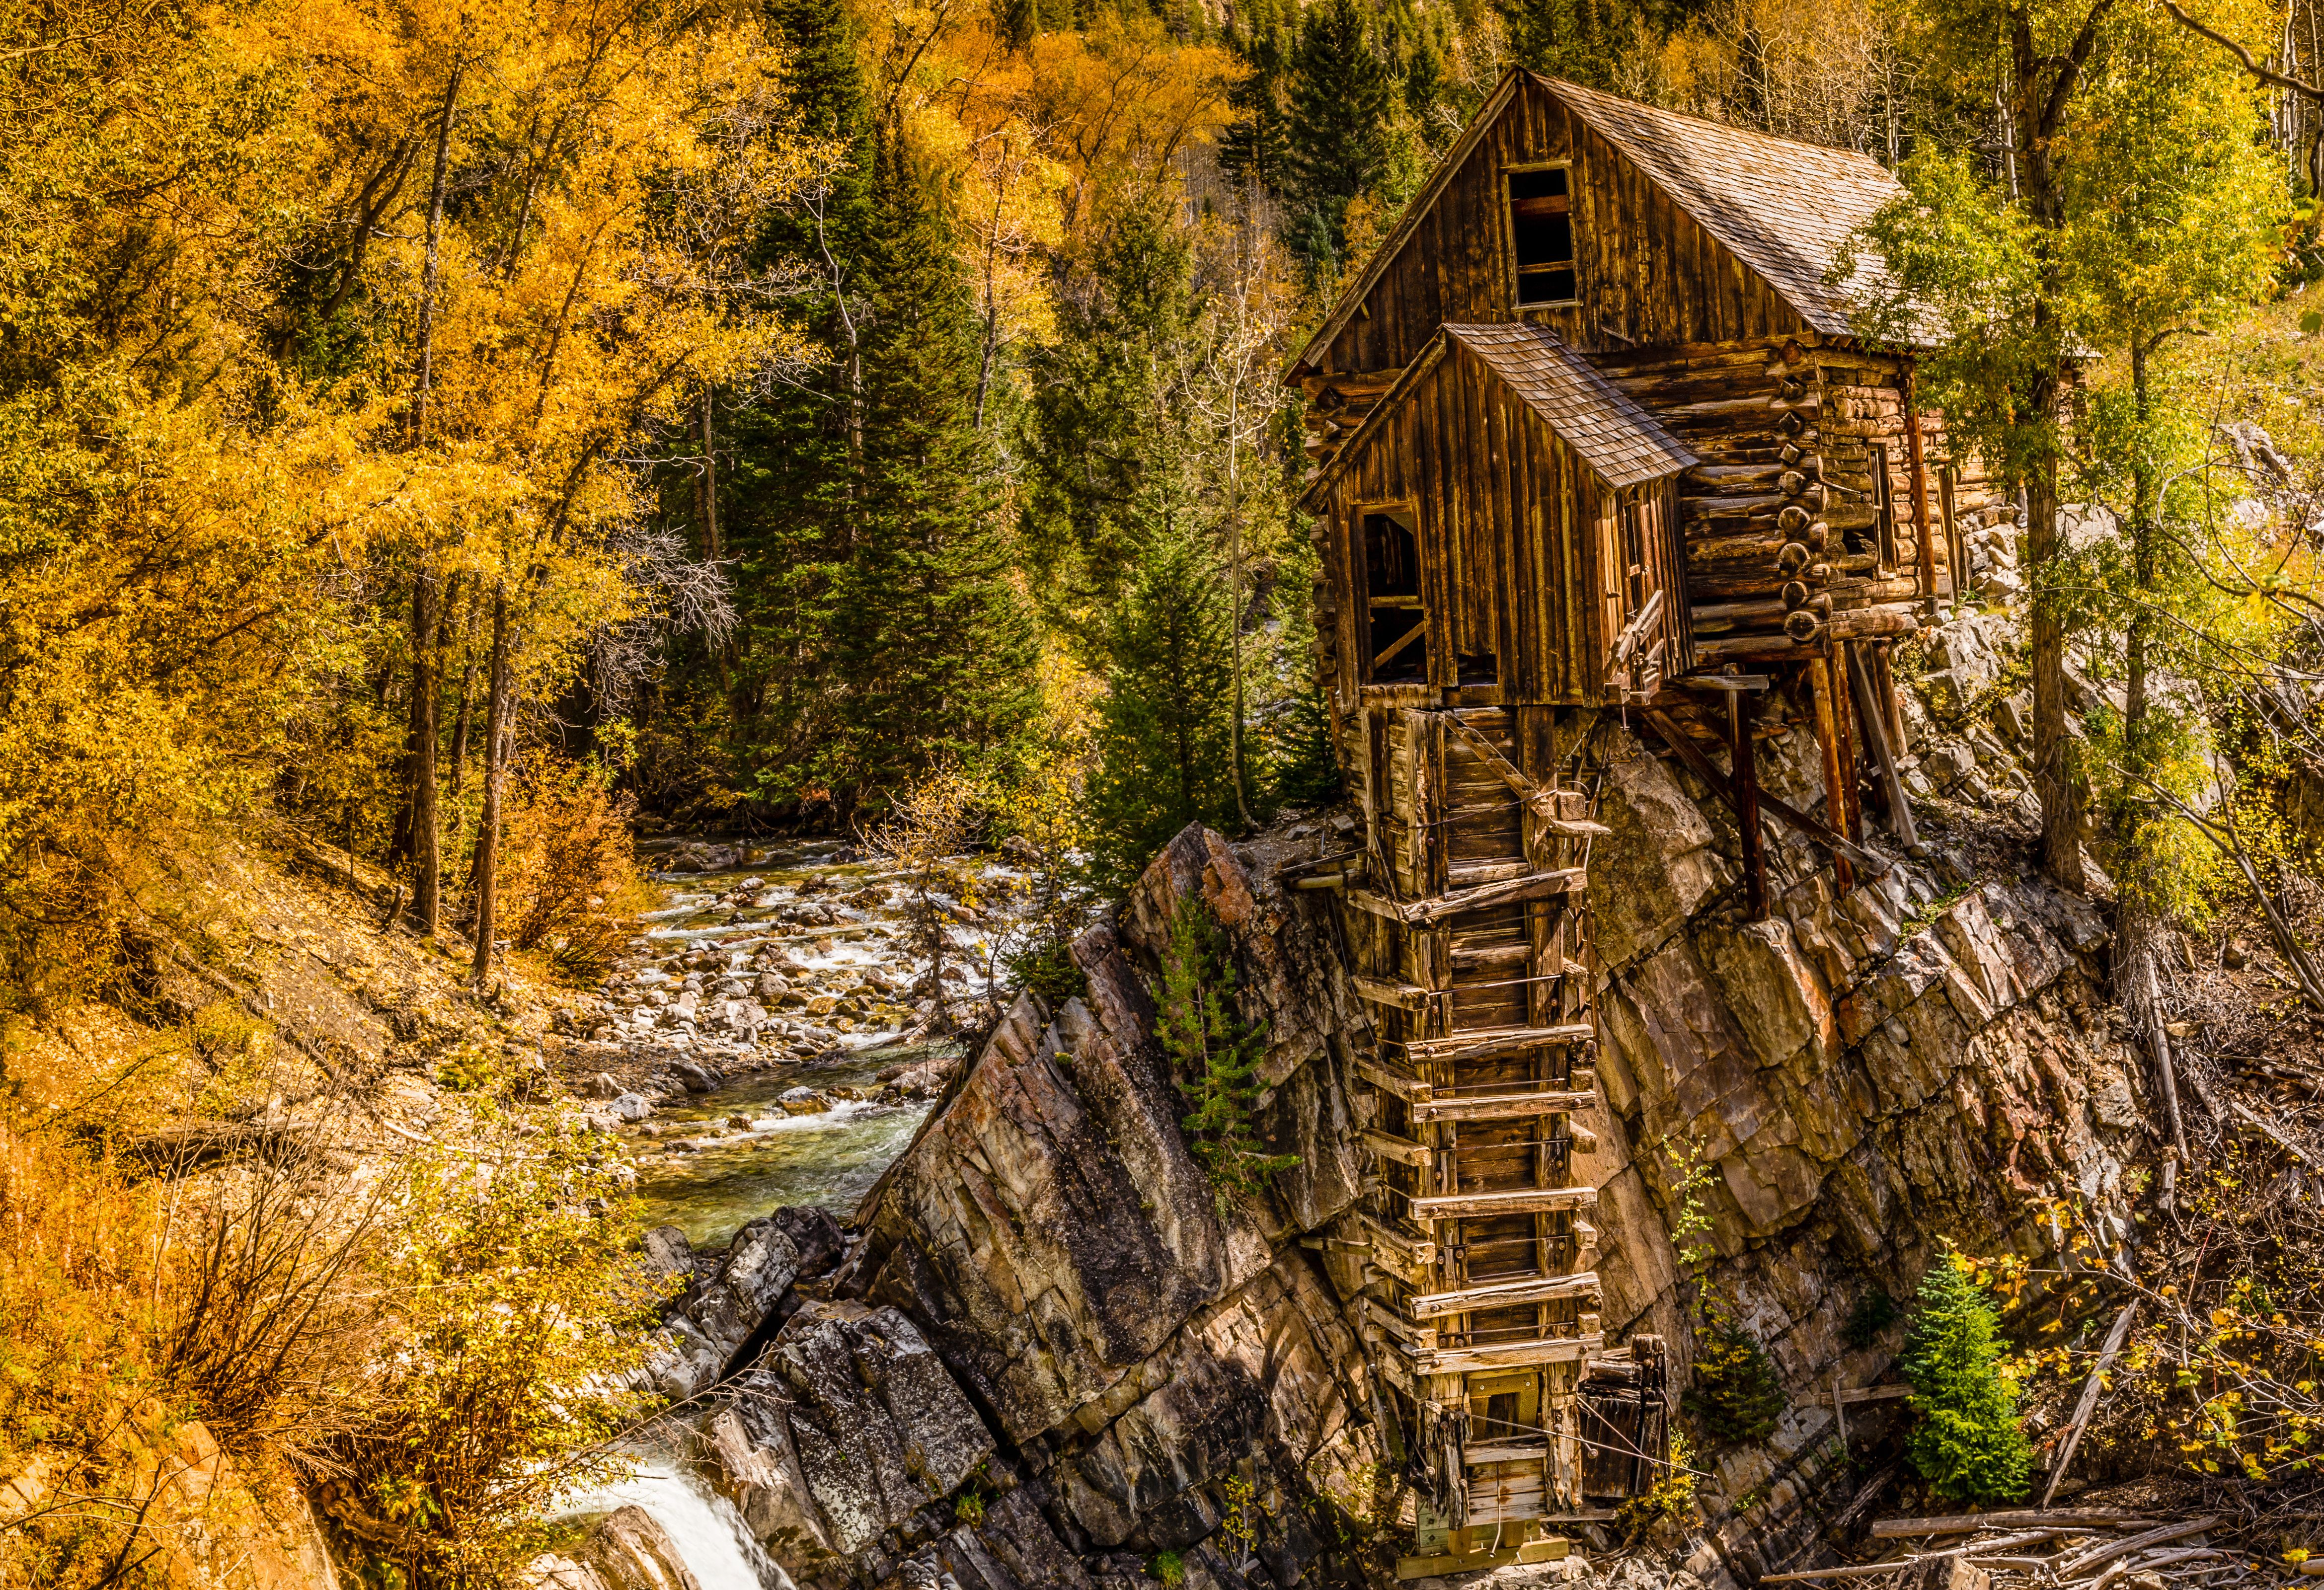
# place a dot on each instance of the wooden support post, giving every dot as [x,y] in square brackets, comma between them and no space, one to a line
[1884,684]
[1875,730]
[1835,797]
[1956,562]
[1843,722]
[1747,806]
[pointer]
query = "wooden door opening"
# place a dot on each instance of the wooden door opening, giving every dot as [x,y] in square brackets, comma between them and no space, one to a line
[1398,620]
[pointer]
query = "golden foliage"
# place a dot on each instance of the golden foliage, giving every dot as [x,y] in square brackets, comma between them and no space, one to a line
[570,871]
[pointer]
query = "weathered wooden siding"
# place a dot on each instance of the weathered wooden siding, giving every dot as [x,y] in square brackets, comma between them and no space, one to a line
[1524,554]
[1647,272]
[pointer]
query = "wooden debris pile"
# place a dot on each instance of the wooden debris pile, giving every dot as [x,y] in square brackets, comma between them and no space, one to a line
[2069,1548]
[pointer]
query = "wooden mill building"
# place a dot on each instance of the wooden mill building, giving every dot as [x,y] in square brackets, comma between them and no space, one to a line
[1592,434]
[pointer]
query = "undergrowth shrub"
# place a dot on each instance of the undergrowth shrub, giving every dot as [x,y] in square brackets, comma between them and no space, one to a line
[505,1285]
[1737,1396]
[1213,1051]
[568,872]
[1966,1443]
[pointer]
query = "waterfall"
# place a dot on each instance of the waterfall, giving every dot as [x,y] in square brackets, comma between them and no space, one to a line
[705,1526]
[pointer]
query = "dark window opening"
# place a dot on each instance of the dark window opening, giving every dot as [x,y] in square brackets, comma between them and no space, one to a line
[1541,230]
[1398,622]
[1500,1420]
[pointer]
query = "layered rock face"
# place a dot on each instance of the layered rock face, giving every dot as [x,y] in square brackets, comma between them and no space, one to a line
[1056,1352]
[1923,1061]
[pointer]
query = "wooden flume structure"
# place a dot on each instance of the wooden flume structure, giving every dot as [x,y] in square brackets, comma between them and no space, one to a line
[1594,436]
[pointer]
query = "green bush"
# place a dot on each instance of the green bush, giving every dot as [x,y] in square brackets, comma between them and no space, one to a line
[1968,1443]
[1736,1395]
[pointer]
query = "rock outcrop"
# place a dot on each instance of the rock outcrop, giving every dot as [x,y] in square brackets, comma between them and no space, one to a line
[1056,1350]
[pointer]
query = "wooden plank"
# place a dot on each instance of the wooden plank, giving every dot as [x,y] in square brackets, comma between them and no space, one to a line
[1486,1040]
[1520,1200]
[1964,1523]
[1506,1106]
[1563,1349]
[1534,1289]
[1533,886]
[1404,1151]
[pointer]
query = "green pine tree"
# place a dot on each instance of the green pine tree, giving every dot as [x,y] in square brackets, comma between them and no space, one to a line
[1257,146]
[1968,1444]
[1164,726]
[1215,1052]
[934,647]
[1344,98]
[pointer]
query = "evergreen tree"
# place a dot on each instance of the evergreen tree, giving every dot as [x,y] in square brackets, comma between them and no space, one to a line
[1968,1444]
[1101,415]
[1163,725]
[1343,100]
[1257,145]
[933,646]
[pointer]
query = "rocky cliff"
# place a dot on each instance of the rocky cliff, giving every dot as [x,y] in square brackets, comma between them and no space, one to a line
[1057,1355]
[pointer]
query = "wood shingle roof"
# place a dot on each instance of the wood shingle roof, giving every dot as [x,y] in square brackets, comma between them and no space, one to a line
[1621,442]
[1785,208]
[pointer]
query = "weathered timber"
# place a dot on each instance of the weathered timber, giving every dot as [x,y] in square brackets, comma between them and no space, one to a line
[1503,1107]
[1520,1200]
[1539,1288]
[1531,885]
[1396,996]
[1569,1349]
[1389,1078]
[1480,1042]
[1404,1151]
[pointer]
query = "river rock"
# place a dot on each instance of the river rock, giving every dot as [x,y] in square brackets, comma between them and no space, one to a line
[802,1101]
[628,1549]
[848,1426]
[694,1078]
[632,1107]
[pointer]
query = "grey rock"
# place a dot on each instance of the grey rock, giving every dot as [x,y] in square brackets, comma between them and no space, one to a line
[668,1252]
[633,1107]
[759,1266]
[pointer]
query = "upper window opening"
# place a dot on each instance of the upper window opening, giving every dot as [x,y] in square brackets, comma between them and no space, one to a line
[1541,229]
[1398,626]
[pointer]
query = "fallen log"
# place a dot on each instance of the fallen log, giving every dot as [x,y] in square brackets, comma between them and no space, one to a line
[1962,1523]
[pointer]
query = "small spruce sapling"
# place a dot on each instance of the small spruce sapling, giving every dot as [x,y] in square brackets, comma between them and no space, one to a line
[1968,1444]
[1215,1052]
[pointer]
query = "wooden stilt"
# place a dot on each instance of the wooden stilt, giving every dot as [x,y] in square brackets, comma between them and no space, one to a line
[1875,730]
[1884,685]
[1835,797]
[1843,723]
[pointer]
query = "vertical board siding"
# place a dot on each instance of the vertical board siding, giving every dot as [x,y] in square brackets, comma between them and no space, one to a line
[1646,272]
[1521,550]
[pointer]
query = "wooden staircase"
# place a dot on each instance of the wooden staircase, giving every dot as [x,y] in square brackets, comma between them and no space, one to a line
[1473,947]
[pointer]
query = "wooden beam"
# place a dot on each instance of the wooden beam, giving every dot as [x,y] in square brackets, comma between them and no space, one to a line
[1533,886]
[1483,1041]
[1917,460]
[1400,642]
[1674,737]
[1520,1200]
[1536,1289]
[1835,796]
[1404,1151]
[1505,1452]
[1563,1349]
[1398,996]
[1507,1107]
[1417,1251]
[1387,1078]
[1964,1523]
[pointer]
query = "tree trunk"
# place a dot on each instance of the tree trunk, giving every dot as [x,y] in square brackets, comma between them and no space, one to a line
[433,272]
[488,827]
[2055,779]
[426,863]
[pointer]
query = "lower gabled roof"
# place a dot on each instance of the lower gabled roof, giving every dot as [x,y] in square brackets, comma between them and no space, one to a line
[1621,442]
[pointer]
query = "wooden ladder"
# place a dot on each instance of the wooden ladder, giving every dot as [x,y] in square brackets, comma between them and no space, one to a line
[1484,1305]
